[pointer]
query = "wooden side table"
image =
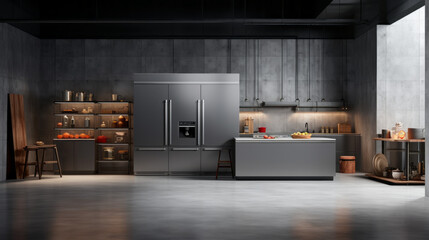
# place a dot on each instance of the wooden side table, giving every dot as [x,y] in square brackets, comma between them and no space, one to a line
[39,164]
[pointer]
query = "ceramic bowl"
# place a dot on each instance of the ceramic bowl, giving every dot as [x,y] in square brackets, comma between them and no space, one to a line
[397,174]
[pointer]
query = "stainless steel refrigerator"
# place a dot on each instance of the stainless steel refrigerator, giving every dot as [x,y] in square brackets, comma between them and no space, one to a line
[182,120]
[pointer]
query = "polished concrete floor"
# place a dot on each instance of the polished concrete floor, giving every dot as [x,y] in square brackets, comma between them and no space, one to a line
[129,207]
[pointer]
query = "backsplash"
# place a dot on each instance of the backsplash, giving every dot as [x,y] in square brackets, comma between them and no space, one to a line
[286,120]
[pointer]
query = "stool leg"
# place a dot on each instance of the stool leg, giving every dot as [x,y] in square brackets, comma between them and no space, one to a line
[218,162]
[230,163]
[40,164]
[25,164]
[58,162]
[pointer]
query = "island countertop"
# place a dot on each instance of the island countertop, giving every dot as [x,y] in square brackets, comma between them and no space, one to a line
[283,139]
[285,158]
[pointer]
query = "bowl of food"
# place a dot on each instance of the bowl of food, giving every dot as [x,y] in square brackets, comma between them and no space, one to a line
[301,135]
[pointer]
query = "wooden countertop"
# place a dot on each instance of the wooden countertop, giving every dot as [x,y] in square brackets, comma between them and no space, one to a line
[398,140]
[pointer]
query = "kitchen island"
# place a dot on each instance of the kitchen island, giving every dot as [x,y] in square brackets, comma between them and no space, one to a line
[285,158]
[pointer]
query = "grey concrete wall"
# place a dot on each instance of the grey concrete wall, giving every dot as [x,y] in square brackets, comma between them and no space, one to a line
[401,73]
[20,74]
[362,93]
[106,65]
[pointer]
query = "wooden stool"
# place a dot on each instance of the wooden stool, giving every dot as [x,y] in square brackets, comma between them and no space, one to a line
[220,163]
[347,164]
[39,165]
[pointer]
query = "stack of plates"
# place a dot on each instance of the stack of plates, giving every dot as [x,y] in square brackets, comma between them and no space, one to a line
[379,163]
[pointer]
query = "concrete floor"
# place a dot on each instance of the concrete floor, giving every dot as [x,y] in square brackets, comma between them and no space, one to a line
[129,207]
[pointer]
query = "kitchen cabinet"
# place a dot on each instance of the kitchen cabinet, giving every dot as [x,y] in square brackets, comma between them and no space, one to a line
[76,156]
[284,158]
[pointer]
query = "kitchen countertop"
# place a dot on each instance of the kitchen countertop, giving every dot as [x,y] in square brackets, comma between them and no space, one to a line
[314,134]
[283,139]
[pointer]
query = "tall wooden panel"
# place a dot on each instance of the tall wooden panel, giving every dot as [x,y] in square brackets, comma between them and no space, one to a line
[19,134]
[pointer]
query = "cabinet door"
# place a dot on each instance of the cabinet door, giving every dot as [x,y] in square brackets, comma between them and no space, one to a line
[184,160]
[221,114]
[84,156]
[151,161]
[150,115]
[184,99]
[65,152]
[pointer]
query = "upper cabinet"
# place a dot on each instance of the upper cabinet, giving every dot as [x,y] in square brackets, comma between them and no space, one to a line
[286,70]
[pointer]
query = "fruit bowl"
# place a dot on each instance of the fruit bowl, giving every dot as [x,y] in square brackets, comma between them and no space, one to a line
[300,135]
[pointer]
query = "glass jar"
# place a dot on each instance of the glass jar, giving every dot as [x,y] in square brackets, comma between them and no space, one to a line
[108,153]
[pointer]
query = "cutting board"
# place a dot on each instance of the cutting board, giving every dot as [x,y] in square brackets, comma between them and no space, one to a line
[344,128]
[19,133]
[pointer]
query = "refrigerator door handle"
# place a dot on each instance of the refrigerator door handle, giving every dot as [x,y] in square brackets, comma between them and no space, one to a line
[170,120]
[165,122]
[198,122]
[184,149]
[202,122]
[150,149]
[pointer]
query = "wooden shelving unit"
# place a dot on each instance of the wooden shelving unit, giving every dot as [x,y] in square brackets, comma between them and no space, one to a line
[108,112]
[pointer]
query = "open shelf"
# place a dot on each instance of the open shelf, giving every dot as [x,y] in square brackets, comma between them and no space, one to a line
[73,102]
[77,129]
[394,181]
[113,129]
[113,144]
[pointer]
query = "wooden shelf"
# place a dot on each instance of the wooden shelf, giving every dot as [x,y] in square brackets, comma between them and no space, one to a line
[114,102]
[112,114]
[113,144]
[114,129]
[398,140]
[73,102]
[394,181]
[74,114]
[71,129]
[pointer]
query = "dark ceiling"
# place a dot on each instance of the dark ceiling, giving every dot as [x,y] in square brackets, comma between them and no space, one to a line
[201,18]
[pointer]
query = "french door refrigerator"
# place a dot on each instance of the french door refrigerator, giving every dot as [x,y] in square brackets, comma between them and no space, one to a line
[181,121]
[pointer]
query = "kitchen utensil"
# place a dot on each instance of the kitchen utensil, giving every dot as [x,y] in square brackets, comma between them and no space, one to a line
[119,137]
[385,133]
[397,174]
[65,121]
[380,163]
[262,129]
[101,139]
[108,153]
[87,122]
[90,97]
[123,154]
[344,128]
[114,97]
[416,133]
[67,95]
[80,96]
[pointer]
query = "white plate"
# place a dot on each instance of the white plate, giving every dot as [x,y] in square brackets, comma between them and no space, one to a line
[379,163]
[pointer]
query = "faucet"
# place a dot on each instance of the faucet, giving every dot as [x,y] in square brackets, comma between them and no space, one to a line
[306,127]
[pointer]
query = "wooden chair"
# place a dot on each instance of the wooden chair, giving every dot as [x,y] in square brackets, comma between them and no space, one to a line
[224,163]
[39,164]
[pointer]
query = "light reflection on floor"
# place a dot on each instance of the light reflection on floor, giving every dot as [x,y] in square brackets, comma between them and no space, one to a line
[128,207]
